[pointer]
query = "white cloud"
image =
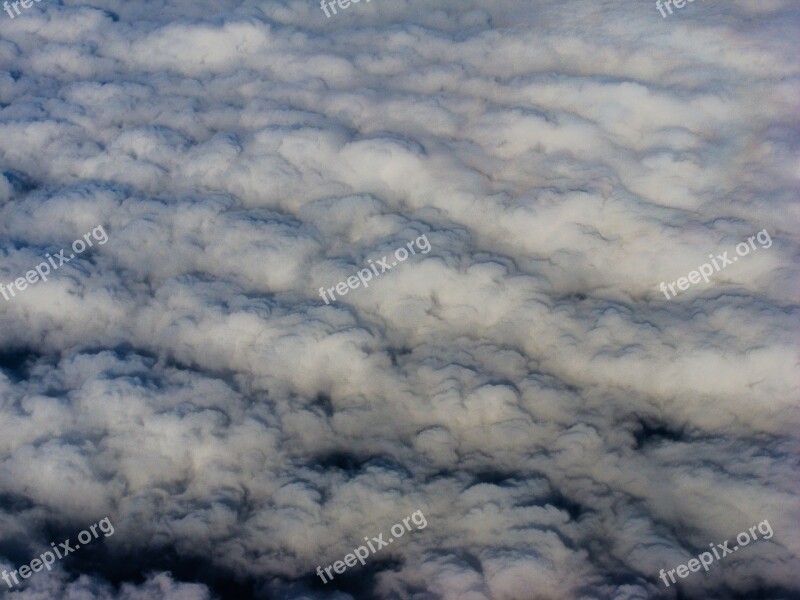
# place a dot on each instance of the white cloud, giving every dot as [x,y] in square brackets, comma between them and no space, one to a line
[567,430]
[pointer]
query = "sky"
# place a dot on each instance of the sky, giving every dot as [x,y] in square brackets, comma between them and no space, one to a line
[526,271]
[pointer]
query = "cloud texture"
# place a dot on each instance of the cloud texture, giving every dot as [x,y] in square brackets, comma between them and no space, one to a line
[566,429]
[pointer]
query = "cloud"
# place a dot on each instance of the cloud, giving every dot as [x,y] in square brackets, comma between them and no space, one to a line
[567,431]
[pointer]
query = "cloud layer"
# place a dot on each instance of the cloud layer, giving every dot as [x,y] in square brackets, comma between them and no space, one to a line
[566,429]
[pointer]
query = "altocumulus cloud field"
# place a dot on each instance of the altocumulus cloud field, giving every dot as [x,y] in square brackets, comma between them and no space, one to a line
[566,430]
